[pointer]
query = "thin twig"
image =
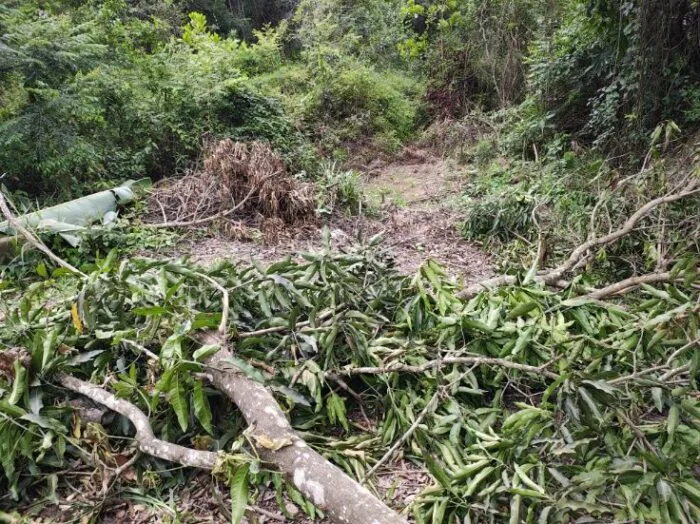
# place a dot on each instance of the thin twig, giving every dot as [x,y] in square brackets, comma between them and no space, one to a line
[426,410]
[693,343]
[118,471]
[278,329]
[33,240]
[141,348]
[435,364]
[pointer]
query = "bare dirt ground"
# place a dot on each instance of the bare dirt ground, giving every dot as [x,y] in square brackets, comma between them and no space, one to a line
[413,198]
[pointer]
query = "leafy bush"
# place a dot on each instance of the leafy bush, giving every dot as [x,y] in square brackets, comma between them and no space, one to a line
[502,215]
[365,101]
[116,100]
[339,190]
[611,71]
[472,51]
[345,100]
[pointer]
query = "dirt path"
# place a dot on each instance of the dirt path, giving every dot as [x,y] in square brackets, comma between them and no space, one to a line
[418,197]
[414,199]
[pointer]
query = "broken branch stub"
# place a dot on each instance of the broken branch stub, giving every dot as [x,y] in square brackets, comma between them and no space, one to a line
[326,485]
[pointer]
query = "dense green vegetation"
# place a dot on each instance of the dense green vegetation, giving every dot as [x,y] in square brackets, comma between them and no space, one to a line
[542,395]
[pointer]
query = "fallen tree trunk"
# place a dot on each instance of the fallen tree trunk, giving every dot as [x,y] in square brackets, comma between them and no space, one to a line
[326,485]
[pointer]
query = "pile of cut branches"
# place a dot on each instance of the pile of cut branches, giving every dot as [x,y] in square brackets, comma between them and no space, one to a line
[522,402]
[237,180]
[519,401]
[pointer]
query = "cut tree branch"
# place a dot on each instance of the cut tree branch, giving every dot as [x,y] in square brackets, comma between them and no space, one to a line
[145,439]
[33,240]
[328,487]
[299,325]
[429,408]
[625,286]
[435,364]
[555,275]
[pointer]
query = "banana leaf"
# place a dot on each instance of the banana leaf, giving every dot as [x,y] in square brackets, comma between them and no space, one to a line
[69,218]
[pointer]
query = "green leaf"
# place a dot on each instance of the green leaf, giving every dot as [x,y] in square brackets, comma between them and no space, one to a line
[11,410]
[205,352]
[592,406]
[478,479]
[469,470]
[657,396]
[149,311]
[522,309]
[664,490]
[436,469]
[19,386]
[172,349]
[201,406]
[292,394]
[81,358]
[515,504]
[335,406]
[673,420]
[41,270]
[527,480]
[239,493]
[247,369]
[178,401]
[601,386]
[439,510]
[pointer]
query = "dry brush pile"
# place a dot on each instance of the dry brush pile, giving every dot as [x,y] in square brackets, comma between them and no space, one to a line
[240,184]
[526,398]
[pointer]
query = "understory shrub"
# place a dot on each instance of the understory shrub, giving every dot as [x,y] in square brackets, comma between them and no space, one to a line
[114,99]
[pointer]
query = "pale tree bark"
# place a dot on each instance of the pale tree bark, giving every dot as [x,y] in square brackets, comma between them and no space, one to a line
[554,276]
[327,486]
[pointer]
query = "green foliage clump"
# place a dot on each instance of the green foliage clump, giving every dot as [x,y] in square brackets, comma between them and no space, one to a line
[532,402]
[609,72]
[364,102]
[472,51]
[339,190]
[92,98]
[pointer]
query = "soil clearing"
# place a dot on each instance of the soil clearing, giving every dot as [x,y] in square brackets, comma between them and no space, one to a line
[414,196]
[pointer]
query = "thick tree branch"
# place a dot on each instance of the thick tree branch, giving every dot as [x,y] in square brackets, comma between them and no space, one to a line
[625,286]
[555,275]
[626,228]
[146,440]
[329,488]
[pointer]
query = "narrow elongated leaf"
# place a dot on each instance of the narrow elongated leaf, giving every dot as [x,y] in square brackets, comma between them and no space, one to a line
[202,409]
[178,401]
[205,352]
[19,386]
[239,493]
